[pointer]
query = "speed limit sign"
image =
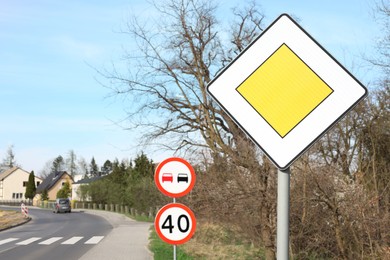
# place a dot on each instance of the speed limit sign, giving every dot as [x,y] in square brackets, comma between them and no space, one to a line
[175,223]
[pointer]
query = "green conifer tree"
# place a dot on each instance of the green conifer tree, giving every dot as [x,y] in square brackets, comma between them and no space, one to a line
[30,187]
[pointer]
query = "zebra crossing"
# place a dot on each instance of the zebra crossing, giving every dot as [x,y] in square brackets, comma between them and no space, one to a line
[52,240]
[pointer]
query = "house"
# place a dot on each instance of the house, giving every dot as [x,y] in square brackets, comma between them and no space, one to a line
[13,182]
[76,191]
[52,184]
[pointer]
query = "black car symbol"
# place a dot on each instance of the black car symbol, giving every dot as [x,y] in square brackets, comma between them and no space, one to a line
[182,177]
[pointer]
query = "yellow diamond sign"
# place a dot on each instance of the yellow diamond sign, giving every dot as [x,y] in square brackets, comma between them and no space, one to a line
[285,91]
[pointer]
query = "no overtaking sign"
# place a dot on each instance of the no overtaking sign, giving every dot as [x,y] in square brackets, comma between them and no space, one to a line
[174,177]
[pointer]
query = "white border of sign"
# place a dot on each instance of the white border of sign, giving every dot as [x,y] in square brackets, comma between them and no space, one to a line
[348,91]
[182,223]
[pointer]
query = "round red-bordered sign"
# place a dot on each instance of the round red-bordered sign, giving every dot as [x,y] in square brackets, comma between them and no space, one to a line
[174,177]
[175,223]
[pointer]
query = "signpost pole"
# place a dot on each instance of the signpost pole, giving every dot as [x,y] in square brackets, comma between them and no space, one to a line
[174,246]
[283,213]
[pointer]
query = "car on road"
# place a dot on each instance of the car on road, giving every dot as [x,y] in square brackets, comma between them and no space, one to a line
[167,177]
[62,205]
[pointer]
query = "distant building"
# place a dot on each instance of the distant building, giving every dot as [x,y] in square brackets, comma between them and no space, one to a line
[13,182]
[52,184]
[76,191]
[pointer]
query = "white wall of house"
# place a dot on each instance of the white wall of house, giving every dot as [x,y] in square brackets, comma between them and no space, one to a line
[13,186]
[76,187]
[75,191]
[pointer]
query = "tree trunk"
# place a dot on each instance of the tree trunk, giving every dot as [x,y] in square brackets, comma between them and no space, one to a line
[266,235]
[338,235]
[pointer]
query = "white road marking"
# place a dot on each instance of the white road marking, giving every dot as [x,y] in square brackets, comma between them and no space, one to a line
[94,240]
[28,241]
[5,241]
[50,241]
[72,241]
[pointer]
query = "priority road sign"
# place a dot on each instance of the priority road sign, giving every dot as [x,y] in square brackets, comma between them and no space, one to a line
[285,91]
[174,177]
[175,223]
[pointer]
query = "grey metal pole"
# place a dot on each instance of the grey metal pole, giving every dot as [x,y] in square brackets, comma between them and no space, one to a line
[174,246]
[283,214]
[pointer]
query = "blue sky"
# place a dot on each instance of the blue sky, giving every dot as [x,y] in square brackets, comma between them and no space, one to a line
[51,101]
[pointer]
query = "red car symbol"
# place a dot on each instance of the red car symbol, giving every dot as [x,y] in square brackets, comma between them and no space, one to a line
[167,177]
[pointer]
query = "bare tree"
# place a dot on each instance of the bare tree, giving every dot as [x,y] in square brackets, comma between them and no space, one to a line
[171,68]
[382,15]
[166,82]
[339,148]
[83,166]
[46,169]
[341,189]
[375,141]
[71,163]
[9,159]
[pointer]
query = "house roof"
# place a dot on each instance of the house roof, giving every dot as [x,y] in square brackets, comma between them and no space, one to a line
[88,180]
[9,171]
[51,180]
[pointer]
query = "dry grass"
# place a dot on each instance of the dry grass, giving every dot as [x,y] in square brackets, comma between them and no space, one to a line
[213,241]
[10,219]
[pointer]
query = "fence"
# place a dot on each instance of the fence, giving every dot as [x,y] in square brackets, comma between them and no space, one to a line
[16,202]
[45,204]
[123,209]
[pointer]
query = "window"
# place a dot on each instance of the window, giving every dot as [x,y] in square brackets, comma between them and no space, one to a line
[25,183]
[38,182]
[17,195]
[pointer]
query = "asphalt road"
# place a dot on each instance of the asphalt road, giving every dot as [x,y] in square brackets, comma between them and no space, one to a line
[53,236]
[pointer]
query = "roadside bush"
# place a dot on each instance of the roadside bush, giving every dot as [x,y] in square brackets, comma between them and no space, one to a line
[130,185]
[143,195]
[65,191]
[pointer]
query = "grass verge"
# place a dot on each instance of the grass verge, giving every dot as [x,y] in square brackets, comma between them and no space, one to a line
[11,218]
[210,241]
[216,241]
[164,251]
[142,218]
